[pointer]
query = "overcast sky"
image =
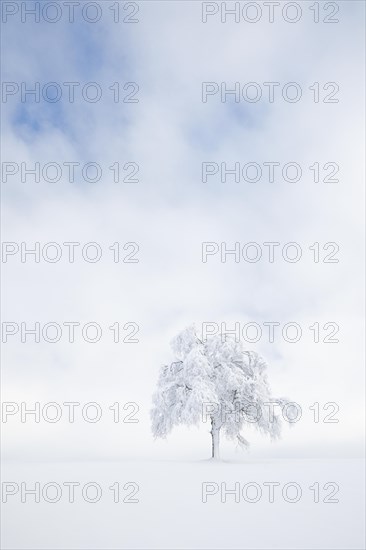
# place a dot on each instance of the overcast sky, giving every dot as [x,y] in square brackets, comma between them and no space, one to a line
[170,212]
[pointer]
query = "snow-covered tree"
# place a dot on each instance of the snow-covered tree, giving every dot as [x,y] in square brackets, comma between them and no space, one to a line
[218,380]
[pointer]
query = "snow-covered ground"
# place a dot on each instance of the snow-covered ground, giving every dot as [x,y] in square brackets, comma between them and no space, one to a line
[170,512]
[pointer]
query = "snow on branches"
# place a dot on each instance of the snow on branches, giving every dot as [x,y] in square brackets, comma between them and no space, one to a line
[215,379]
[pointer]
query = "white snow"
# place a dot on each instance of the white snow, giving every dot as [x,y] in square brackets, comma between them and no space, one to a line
[170,512]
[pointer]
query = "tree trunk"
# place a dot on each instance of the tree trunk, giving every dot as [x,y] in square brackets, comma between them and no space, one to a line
[215,436]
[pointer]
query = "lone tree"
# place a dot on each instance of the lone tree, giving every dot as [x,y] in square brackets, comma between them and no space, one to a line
[215,380]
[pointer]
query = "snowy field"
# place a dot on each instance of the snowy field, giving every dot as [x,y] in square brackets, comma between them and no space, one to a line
[170,512]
